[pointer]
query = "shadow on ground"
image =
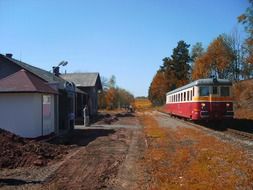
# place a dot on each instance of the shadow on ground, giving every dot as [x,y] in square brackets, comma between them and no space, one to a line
[16,182]
[81,137]
[244,125]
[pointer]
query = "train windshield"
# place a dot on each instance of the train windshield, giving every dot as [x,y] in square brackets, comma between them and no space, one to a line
[204,91]
[224,91]
[215,90]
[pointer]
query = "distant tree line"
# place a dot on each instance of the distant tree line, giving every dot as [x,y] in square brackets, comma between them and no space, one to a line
[112,96]
[225,57]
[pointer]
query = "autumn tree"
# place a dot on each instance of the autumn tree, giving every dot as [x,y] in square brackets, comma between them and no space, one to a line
[197,52]
[201,69]
[221,57]
[112,96]
[158,89]
[216,61]
[247,20]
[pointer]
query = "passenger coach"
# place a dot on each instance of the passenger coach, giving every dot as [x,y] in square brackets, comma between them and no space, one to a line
[204,99]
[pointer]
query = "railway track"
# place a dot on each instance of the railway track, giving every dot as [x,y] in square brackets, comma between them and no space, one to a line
[232,132]
[241,134]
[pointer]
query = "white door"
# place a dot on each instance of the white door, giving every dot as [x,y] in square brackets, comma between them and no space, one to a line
[48,114]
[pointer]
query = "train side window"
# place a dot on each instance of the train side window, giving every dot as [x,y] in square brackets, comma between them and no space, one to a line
[215,90]
[178,97]
[191,96]
[188,98]
[193,91]
[224,91]
[203,91]
[184,96]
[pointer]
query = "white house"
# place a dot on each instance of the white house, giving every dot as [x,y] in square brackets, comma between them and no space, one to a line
[27,105]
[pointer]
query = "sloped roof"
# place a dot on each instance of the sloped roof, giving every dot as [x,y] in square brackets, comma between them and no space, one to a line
[45,75]
[84,79]
[24,81]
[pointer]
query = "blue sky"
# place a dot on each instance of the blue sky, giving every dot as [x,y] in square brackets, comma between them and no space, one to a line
[125,38]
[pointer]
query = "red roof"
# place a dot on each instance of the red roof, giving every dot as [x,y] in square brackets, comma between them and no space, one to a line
[24,81]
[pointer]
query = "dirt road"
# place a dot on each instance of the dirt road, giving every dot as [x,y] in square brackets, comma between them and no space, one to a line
[142,151]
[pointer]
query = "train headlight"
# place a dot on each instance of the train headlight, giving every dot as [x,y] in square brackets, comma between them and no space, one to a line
[203,106]
[227,104]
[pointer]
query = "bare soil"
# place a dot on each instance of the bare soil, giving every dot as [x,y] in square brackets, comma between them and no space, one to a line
[16,151]
[140,151]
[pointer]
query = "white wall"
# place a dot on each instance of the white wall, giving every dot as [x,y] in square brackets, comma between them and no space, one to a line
[21,113]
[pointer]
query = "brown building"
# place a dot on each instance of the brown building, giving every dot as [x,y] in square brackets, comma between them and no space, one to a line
[90,83]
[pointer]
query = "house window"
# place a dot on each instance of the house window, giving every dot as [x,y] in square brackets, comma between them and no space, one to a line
[46,99]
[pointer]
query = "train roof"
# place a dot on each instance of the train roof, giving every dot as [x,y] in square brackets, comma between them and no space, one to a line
[208,81]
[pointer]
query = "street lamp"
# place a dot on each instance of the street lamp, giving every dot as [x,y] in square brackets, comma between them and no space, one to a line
[56,70]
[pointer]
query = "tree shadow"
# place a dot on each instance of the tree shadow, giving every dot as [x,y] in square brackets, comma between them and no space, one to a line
[125,115]
[244,125]
[16,182]
[81,137]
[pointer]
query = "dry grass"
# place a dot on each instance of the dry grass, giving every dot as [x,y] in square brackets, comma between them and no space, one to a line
[142,104]
[189,159]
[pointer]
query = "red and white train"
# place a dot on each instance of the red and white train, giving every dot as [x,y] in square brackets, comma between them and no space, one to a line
[203,99]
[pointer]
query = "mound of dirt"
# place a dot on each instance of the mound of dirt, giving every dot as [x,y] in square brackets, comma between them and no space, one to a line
[243,95]
[16,151]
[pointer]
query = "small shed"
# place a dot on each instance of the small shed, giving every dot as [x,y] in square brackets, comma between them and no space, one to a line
[27,105]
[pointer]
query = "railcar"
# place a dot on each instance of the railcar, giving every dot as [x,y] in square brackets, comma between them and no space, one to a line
[203,99]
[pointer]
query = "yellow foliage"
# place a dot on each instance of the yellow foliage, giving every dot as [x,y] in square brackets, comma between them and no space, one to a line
[142,104]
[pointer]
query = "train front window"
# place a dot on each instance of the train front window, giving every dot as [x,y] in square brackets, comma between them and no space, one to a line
[215,90]
[224,91]
[203,91]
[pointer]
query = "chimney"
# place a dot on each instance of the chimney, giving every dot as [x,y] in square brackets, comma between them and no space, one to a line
[56,71]
[8,55]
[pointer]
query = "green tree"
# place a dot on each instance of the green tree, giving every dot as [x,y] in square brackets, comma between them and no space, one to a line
[112,82]
[180,63]
[197,51]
